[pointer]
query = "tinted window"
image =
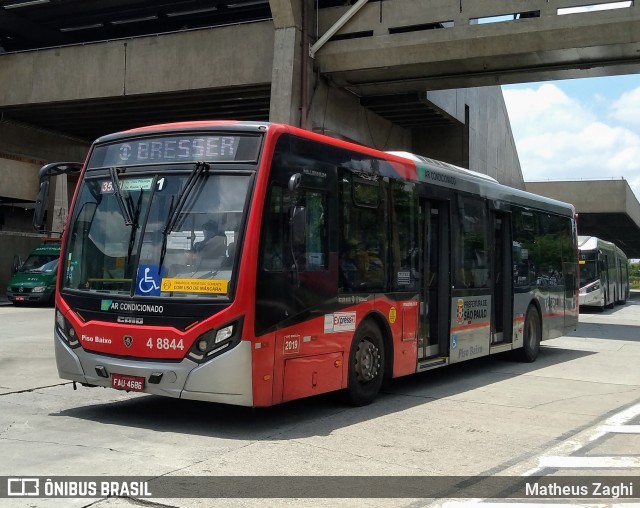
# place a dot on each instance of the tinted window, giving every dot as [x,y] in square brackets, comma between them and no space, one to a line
[471,263]
[363,250]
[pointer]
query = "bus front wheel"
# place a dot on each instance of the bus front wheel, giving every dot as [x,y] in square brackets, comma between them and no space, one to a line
[532,336]
[366,365]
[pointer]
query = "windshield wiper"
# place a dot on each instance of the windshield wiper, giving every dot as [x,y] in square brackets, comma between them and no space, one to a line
[134,225]
[174,212]
[124,209]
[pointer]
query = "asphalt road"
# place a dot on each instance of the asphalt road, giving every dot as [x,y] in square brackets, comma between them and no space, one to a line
[574,412]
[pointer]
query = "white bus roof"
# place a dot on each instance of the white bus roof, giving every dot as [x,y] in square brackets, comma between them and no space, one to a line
[593,243]
[444,165]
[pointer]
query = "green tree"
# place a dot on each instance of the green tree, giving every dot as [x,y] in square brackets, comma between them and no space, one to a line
[634,275]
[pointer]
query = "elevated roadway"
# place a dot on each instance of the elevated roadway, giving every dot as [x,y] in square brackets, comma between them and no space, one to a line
[399,45]
[243,59]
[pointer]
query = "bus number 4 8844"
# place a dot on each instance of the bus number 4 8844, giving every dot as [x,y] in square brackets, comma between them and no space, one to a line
[161,343]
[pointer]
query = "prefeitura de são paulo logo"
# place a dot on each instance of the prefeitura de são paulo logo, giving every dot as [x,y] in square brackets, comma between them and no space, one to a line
[460,312]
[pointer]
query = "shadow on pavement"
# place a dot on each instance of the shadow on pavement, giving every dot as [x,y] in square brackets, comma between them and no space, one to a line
[319,415]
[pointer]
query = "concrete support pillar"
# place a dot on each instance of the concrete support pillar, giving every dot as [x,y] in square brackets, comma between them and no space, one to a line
[286,94]
[292,71]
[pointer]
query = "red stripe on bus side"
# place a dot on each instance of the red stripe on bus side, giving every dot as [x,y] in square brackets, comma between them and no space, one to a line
[470,327]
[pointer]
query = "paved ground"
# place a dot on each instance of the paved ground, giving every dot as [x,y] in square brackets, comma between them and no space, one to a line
[576,411]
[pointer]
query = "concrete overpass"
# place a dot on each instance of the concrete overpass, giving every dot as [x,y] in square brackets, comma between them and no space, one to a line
[399,45]
[607,209]
[250,58]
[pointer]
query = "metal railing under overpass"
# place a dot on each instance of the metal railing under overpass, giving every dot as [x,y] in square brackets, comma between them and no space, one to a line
[607,209]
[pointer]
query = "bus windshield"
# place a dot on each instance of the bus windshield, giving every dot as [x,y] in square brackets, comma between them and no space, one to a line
[588,269]
[142,242]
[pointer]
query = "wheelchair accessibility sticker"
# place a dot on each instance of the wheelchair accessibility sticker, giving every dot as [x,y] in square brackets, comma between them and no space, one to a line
[148,280]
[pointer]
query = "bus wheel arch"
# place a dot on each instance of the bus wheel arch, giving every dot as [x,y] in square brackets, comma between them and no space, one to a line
[532,335]
[367,362]
[385,330]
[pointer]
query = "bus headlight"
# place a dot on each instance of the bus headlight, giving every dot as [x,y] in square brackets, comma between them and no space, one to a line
[66,330]
[224,333]
[595,287]
[214,342]
[38,289]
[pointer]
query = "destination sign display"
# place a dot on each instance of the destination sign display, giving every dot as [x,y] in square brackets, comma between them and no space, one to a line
[171,149]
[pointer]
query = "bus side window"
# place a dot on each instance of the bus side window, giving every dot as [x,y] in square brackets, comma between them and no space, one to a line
[404,237]
[363,251]
[308,230]
[549,250]
[523,247]
[471,260]
[295,231]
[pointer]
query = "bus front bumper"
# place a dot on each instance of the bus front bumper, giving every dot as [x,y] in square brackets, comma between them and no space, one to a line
[591,298]
[225,379]
[30,297]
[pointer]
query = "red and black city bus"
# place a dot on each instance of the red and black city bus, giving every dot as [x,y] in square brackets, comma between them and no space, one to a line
[253,263]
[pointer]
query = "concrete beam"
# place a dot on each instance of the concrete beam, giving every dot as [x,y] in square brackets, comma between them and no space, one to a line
[220,57]
[24,141]
[396,47]
[19,179]
[339,114]
[286,13]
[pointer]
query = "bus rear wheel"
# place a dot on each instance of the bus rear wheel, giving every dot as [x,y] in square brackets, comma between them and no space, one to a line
[366,365]
[614,301]
[532,336]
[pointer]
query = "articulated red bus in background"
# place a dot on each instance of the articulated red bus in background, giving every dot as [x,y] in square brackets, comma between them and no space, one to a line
[254,263]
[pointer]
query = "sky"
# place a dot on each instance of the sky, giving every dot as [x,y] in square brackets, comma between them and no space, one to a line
[577,129]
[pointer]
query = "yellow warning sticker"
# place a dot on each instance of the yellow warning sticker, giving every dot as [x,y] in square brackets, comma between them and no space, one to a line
[195,286]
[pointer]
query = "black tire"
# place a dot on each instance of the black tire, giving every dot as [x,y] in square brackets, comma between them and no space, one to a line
[532,336]
[366,365]
[604,303]
[613,302]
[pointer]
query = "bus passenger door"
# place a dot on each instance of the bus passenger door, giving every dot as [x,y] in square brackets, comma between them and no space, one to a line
[434,293]
[502,308]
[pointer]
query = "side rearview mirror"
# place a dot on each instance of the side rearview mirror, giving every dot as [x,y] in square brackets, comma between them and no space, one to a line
[294,181]
[41,206]
[44,176]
